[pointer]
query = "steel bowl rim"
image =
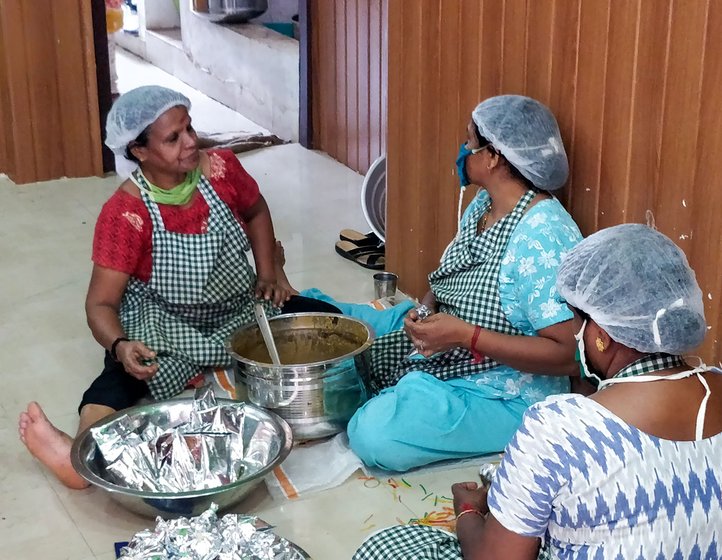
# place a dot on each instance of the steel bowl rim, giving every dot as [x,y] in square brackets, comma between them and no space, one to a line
[83,470]
[301,552]
[295,367]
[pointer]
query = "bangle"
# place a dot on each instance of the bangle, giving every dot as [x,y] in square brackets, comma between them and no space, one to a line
[114,347]
[478,356]
[465,511]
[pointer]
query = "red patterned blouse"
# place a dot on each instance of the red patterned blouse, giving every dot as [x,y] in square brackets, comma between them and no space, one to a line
[123,231]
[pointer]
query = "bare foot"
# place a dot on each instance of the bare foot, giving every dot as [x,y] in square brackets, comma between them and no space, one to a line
[280,261]
[49,445]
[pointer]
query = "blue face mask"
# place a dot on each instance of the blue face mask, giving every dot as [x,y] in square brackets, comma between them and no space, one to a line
[464,152]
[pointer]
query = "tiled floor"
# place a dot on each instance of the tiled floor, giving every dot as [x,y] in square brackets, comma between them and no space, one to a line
[49,355]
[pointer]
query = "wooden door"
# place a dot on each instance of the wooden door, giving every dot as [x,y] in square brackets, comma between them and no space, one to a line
[49,96]
[348,79]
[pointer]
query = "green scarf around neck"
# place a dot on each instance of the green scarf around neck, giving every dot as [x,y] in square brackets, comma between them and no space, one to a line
[177,196]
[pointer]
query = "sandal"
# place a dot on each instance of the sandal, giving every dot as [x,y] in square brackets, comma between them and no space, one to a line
[360,239]
[373,261]
[368,257]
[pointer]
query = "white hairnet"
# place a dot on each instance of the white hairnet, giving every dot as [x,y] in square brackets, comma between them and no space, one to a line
[133,111]
[527,135]
[637,285]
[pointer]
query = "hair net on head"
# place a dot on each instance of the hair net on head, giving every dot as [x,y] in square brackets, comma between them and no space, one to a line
[637,285]
[527,135]
[133,111]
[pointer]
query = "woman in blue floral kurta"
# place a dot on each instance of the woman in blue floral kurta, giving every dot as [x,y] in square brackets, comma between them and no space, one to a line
[496,318]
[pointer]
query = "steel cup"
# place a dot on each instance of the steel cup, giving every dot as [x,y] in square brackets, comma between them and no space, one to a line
[385,284]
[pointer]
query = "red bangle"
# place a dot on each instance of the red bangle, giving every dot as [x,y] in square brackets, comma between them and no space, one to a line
[468,508]
[478,356]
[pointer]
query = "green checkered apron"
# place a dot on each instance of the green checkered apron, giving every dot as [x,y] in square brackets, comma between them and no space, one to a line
[410,542]
[649,364]
[201,289]
[415,542]
[466,285]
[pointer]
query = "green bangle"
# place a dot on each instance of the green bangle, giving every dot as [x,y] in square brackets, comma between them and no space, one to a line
[114,346]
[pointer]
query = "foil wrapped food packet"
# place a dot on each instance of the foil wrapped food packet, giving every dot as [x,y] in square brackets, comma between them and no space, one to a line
[487,472]
[208,537]
[423,311]
[200,449]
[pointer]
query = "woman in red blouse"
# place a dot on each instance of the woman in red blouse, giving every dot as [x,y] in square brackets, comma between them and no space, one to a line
[171,280]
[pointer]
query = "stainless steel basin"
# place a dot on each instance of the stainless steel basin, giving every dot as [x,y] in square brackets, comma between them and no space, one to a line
[325,358]
[265,435]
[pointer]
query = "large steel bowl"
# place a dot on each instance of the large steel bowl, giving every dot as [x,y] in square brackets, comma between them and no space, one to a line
[264,434]
[325,359]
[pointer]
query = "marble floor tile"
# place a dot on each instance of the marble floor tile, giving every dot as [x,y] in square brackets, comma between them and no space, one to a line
[34,524]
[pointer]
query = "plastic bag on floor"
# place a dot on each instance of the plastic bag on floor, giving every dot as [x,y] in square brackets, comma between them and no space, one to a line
[313,467]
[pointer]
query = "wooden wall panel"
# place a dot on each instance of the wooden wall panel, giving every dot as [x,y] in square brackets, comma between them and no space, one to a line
[513,26]
[377,75]
[635,85]
[703,235]
[7,162]
[49,102]
[348,70]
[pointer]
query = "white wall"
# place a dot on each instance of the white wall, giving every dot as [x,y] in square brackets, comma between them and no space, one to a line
[160,14]
[250,68]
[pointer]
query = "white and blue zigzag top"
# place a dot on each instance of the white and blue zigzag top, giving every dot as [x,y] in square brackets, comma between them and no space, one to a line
[595,487]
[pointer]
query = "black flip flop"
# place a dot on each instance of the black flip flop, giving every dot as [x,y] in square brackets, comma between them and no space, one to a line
[367,257]
[360,239]
[373,261]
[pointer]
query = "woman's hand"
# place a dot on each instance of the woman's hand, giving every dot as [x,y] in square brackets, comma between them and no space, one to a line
[412,316]
[268,289]
[438,333]
[469,494]
[134,355]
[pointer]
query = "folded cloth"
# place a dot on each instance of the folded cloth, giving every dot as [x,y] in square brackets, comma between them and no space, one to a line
[300,473]
[383,321]
[223,381]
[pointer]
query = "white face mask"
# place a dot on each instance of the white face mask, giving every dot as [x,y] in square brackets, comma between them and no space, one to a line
[601,384]
[581,357]
[698,371]
[458,222]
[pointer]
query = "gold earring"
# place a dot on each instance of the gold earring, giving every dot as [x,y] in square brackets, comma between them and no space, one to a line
[600,345]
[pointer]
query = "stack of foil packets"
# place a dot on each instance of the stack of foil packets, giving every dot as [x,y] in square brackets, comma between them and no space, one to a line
[208,537]
[173,451]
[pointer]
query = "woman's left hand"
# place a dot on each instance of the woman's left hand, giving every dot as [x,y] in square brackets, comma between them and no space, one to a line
[469,494]
[269,290]
[437,333]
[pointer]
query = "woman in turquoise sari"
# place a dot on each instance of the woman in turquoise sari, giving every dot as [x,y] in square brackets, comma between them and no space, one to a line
[457,383]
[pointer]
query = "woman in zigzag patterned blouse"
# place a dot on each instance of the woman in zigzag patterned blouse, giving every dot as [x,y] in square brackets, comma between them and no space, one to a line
[631,472]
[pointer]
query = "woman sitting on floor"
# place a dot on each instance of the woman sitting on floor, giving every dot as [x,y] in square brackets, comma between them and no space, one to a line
[498,341]
[170,279]
[631,472]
